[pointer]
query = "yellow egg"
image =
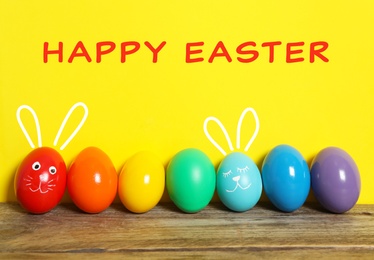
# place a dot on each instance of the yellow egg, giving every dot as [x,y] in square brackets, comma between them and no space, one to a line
[141,182]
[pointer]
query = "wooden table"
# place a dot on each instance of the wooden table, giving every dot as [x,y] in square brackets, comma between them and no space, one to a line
[166,232]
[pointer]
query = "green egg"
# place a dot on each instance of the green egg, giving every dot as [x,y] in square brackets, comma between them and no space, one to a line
[190,180]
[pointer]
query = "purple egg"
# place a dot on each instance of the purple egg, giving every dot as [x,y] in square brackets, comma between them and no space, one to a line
[335,180]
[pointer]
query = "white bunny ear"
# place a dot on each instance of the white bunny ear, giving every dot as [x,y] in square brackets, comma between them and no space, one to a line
[76,129]
[249,109]
[18,114]
[223,130]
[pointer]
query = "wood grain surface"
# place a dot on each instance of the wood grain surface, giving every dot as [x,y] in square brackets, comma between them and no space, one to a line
[166,232]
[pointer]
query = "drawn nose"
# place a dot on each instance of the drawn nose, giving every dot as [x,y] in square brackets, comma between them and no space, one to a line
[43,177]
[236,178]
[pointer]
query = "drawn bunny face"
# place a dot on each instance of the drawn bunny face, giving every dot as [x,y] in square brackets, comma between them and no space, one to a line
[40,179]
[239,183]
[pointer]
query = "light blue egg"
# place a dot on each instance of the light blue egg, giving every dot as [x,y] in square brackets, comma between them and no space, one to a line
[286,178]
[239,184]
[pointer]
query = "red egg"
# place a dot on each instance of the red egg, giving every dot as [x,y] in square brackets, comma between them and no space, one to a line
[40,180]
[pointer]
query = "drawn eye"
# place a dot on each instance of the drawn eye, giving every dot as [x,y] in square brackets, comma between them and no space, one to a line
[225,174]
[36,166]
[52,170]
[242,170]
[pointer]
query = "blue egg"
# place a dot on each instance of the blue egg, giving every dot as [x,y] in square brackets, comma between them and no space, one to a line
[286,178]
[239,184]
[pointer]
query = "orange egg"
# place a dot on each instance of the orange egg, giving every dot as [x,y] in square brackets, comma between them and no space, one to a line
[92,180]
[141,182]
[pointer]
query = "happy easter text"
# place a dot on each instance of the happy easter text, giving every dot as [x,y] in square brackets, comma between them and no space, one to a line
[195,52]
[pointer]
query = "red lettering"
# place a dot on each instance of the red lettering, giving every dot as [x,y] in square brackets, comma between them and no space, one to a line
[125,51]
[83,53]
[223,53]
[99,49]
[290,51]
[246,51]
[241,50]
[46,52]
[189,52]
[155,51]
[318,52]
[271,49]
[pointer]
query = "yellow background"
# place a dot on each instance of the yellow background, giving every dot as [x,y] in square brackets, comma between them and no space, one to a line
[161,107]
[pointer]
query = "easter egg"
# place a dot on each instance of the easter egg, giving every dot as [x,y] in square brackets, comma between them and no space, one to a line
[92,180]
[286,178]
[336,181]
[239,184]
[40,180]
[141,182]
[190,180]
